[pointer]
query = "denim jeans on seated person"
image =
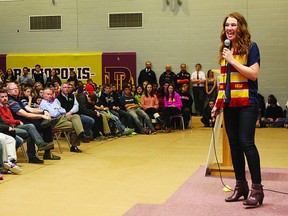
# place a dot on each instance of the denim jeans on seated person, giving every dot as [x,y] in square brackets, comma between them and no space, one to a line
[88,123]
[31,151]
[33,133]
[138,114]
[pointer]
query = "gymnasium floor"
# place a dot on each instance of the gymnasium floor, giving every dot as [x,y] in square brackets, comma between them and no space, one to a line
[109,177]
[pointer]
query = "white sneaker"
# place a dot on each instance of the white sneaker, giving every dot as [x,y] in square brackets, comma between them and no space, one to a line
[13,167]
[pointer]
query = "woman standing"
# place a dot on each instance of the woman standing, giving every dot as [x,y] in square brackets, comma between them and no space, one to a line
[172,106]
[238,97]
[211,86]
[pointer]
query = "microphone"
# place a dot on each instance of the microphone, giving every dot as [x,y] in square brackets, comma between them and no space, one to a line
[227,93]
[227,44]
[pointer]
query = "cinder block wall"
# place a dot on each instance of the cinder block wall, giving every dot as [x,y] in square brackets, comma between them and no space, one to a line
[171,34]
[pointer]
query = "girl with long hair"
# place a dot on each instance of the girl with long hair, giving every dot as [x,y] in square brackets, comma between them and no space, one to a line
[237,95]
[172,106]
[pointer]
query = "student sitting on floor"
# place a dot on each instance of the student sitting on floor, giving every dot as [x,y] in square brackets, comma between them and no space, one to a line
[207,119]
[274,113]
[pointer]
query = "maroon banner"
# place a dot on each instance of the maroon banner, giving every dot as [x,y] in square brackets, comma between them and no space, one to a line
[3,62]
[119,68]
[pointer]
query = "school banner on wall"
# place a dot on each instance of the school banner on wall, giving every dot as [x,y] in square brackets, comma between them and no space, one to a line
[100,67]
[3,62]
[119,68]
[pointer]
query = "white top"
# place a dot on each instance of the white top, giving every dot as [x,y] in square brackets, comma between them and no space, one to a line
[201,76]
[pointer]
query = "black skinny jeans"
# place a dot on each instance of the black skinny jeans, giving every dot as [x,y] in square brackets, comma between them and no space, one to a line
[240,126]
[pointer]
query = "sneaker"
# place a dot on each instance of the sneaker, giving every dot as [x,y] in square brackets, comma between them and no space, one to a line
[128,131]
[146,132]
[13,167]
[44,146]
[153,132]
[35,160]
[1,176]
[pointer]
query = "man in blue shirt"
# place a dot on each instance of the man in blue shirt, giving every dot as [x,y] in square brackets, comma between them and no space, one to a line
[65,122]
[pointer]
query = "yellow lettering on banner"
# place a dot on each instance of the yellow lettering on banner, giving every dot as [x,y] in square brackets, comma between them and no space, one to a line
[86,65]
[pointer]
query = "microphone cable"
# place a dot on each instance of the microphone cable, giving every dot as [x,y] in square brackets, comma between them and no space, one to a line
[220,173]
[217,161]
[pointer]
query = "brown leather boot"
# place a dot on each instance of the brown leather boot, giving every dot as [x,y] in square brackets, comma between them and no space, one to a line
[256,196]
[241,189]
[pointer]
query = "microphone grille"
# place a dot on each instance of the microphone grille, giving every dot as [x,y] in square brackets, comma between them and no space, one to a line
[227,43]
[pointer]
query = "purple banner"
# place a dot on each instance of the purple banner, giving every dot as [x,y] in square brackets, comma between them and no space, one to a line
[3,62]
[119,68]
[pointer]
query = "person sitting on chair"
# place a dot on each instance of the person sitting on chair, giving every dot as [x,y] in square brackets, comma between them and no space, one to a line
[172,106]
[65,122]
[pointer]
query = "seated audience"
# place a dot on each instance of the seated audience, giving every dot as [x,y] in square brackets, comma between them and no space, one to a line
[274,113]
[9,157]
[150,104]
[69,102]
[138,94]
[26,96]
[172,106]
[131,105]
[36,117]
[72,79]
[122,130]
[286,115]
[161,93]
[53,77]
[90,87]
[109,129]
[187,102]
[86,107]
[37,88]
[110,99]
[65,121]
[261,112]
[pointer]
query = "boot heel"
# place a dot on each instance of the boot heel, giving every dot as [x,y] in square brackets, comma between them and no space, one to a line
[241,189]
[245,196]
[256,196]
[261,201]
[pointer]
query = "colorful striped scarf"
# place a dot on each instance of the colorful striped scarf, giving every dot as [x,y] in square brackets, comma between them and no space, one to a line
[238,85]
